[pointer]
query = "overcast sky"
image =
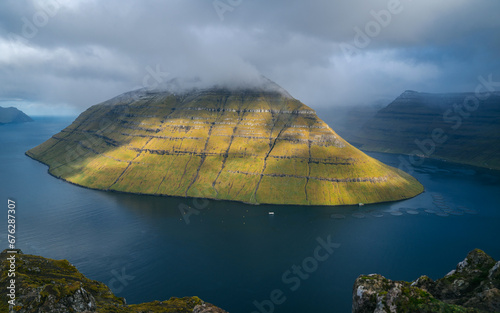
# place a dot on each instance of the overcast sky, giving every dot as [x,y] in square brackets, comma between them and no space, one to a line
[62,56]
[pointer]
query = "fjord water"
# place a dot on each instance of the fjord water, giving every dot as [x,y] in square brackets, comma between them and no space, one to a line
[233,254]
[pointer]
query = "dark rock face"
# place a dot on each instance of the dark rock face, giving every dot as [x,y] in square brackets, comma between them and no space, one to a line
[474,286]
[458,127]
[56,286]
[13,115]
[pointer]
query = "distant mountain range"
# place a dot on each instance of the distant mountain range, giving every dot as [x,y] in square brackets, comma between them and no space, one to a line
[457,127]
[254,145]
[13,115]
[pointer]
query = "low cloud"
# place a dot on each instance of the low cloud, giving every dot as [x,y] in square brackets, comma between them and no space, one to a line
[64,56]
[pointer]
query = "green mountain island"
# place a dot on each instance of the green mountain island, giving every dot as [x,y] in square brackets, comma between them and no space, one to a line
[466,128]
[13,115]
[254,145]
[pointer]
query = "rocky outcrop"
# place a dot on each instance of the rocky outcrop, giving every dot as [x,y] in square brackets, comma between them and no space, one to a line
[12,115]
[249,145]
[474,286]
[56,286]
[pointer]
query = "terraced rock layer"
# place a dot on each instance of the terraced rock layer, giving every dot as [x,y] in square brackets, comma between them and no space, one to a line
[254,146]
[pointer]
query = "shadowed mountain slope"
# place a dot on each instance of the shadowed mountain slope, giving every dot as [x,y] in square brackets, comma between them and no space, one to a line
[457,127]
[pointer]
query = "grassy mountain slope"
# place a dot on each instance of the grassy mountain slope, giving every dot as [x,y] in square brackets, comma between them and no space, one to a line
[254,146]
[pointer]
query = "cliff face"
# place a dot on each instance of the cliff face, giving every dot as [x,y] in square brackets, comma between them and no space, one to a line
[470,129]
[249,145]
[13,115]
[474,286]
[56,286]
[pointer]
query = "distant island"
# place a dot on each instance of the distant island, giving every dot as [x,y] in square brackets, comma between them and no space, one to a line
[254,145]
[457,127]
[13,115]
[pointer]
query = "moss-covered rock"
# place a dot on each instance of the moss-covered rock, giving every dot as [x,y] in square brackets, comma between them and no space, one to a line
[56,286]
[248,145]
[472,287]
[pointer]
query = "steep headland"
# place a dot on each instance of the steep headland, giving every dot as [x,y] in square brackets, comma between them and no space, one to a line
[13,115]
[458,127]
[255,145]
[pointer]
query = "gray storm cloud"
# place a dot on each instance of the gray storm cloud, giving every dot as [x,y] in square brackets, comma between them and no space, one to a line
[62,56]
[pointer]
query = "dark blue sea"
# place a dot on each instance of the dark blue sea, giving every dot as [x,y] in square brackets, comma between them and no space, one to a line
[238,256]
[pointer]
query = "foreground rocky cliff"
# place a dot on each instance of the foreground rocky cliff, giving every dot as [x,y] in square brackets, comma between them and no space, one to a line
[56,286]
[474,286]
[252,145]
[458,127]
